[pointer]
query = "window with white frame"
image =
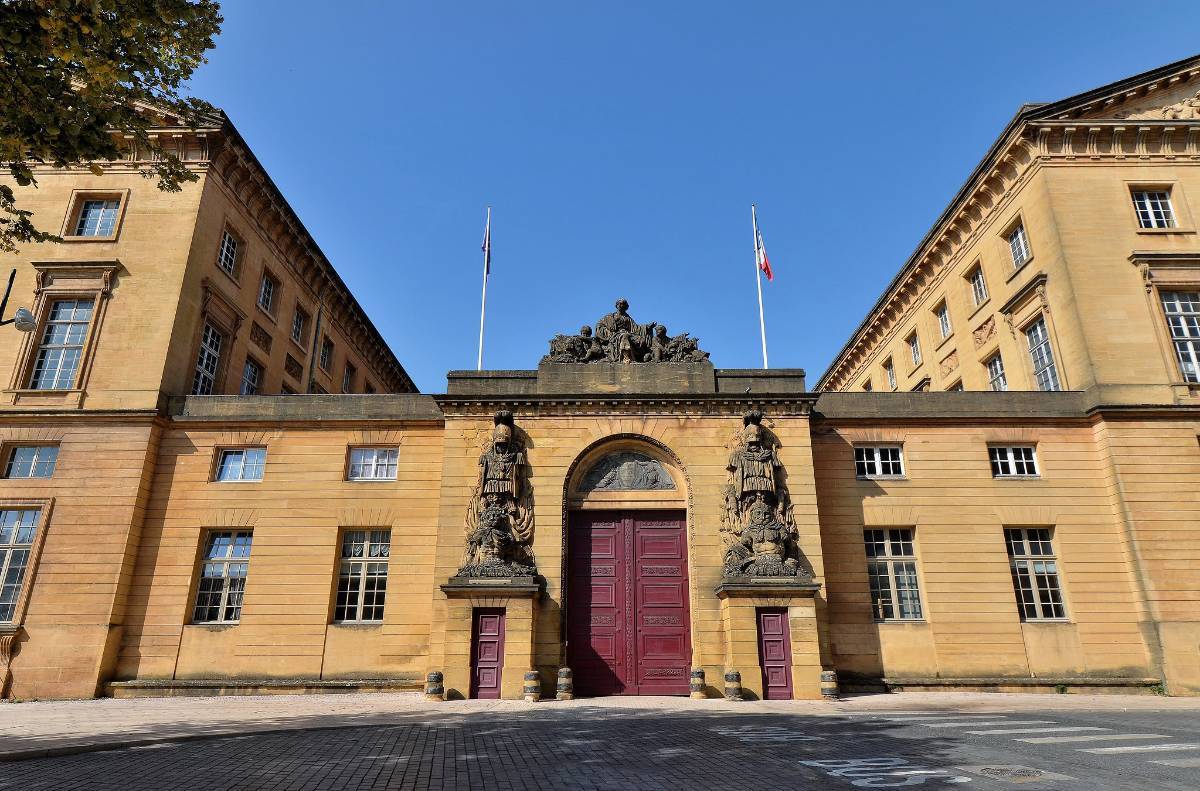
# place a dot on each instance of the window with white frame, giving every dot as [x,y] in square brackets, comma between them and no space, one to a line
[208,360]
[1034,573]
[892,574]
[326,356]
[240,464]
[1013,461]
[362,581]
[17,530]
[372,464]
[914,348]
[299,325]
[943,318]
[227,253]
[252,376]
[866,386]
[31,461]
[97,217]
[267,291]
[1154,208]
[348,378]
[1045,372]
[222,583]
[995,370]
[56,366]
[957,387]
[1182,309]
[890,371]
[979,292]
[1018,245]
[878,461]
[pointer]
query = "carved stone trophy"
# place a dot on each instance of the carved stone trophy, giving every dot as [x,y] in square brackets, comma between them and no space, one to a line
[499,521]
[619,339]
[757,524]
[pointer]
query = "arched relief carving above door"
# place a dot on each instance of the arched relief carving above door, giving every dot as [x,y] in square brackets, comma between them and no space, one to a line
[626,471]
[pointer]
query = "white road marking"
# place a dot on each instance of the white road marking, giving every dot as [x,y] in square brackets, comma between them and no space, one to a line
[1059,729]
[1188,763]
[947,717]
[1093,737]
[1141,748]
[959,723]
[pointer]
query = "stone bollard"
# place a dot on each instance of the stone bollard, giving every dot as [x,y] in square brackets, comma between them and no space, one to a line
[533,687]
[829,685]
[696,684]
[733,685]
[566,684]
[433,686]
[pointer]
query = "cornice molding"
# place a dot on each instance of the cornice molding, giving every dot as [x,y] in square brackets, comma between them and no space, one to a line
[704,405]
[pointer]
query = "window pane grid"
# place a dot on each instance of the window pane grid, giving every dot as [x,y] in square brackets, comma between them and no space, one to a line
[978,286]
[883,461]
[17,529]
[1018,244]
[251,378]
[1045,373]
[299,324]
[228,252]
[362,581]
[372,464]
[32,461]
[1015,461]
[943,317]
[207,361]
[892,574]
[995,369]
[242,464]
[1182,309]
[1034,573]
[223,577]
[61,349]
[914,348]
[890,370]
[97,218]
[266,293]
[1154,209]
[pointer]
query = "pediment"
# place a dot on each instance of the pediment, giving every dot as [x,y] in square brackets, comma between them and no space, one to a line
[1174,98]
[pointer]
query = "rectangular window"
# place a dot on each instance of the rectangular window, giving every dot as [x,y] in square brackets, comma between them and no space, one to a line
[957,387]
[97,218]
[299,326]
[867,386]
[1045,373]
[252,376]
[348,378]
[326,358]
[373,464]
[31,461]
[368,388]
[57,363]
[979,291]
[241,464]
[223,577]
[914,348]
[362,582]
[890,371]
[1018,245]
[878,461]
[892,573]
[267,290]
[227,253]
[1018,461]
[995,369]
[1034,573]
[208,360]
[17,529]
[943,317]
[1183,319]
[1154,208]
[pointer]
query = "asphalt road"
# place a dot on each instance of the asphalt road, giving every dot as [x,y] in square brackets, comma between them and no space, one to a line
[585,748]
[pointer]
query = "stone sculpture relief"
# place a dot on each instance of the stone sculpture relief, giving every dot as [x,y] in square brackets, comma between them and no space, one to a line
[619,339]
[627,471]
[984,332]
[757,525]
[500,514]
[1186,109]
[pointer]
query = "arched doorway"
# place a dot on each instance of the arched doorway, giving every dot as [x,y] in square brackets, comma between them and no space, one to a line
[627,604]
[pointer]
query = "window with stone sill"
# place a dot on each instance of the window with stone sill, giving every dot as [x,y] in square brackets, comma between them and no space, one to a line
[995,370]
[914,348]
[31,461]
[268,293]
[17,530]
[979,292]
[362,577]
[229,253]
[56,363]
[326,357]
[252,378]
[889,371]
[240,464]
[1045,371]
[1018,246]
[878,461]
[1182,311]
[892,574]
[222,584]
[368,388]
[299,325]
[1013,461]
[1034,573]
[1154,208]
[943,318]
[96,217]
[208,360]
[348,376]
[372,464]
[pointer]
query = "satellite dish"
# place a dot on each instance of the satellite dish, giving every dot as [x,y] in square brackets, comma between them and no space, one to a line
[24,320]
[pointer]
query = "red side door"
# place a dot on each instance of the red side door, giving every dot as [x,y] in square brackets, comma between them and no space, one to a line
[775,653]
[487,651]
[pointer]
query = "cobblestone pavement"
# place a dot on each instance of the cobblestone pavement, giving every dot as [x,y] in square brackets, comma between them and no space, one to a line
[400,742]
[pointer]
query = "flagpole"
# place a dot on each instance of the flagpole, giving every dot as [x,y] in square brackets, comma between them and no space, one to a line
[762,324]
[487,244]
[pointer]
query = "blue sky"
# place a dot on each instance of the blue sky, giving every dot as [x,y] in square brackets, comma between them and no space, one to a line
[621,144]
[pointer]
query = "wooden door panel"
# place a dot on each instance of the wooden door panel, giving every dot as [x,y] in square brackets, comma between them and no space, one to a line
[661,586]
[487,652]
[596,626]
[775,653]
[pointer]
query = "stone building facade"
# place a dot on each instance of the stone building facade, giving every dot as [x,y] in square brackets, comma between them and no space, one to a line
[173,523]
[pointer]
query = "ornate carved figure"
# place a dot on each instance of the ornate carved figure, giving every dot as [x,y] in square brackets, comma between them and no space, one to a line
[758,525]
[626,471]
[500,514]
[620,339]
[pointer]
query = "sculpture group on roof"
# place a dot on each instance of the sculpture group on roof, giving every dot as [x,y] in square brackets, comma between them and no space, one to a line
[619,339]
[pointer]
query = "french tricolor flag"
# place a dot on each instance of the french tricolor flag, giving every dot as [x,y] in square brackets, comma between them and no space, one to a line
[760,252]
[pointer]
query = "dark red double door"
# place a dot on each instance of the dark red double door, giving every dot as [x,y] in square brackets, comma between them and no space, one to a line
[627,603]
